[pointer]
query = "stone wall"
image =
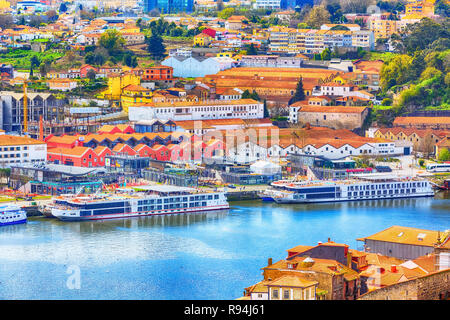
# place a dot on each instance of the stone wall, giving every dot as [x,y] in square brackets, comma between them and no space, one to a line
[434,286]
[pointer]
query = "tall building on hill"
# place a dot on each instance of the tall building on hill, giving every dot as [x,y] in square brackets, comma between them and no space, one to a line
[169,6]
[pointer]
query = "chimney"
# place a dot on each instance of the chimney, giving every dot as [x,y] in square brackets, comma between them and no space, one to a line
[269,261]
[393,268]
[329,239]
[319,243]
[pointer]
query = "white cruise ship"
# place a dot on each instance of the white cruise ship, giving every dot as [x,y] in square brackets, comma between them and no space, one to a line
[360,187]
[150,200]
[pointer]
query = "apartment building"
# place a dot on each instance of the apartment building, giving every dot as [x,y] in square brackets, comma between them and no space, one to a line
[312,41]
[423,8]
[198,110]
[383,29]
[16,149]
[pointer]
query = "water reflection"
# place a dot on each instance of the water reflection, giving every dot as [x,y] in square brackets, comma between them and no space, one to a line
[432,203]
[167,220]
[212,255]
[102,242]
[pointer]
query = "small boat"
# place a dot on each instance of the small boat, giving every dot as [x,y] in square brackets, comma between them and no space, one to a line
[12,214]
[445,186]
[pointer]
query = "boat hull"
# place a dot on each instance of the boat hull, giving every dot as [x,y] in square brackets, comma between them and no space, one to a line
[137,214]
[13,222]
[304,201]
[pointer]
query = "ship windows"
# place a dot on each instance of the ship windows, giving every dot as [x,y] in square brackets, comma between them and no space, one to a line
[109,211]
[216,196]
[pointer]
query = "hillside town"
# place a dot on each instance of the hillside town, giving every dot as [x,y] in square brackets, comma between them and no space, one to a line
[280,102]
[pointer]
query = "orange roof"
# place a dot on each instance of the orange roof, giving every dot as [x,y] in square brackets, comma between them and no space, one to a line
[75,152]
[158,146]
[66,139]
[329,109]
[120,146]
[411,131]
[406,235]
[101,149]
[7,140]
[421,120]
[140,146]
[297,281]
[133,87]
[319,265]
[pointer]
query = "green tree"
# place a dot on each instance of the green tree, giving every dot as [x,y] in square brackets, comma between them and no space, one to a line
[326,54]
[91,75]
[395,71]
[43,70]
[112,41]
[34,61]
[429,73]
[444,154]
[317,17]
[251,50]
[266,110]
[156,46]
[226,13]
[299,94]
[335,11]
[386,102]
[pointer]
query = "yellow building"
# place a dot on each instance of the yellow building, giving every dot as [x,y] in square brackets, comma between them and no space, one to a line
[422,8]
[383,29]
[4,6]
[292,287]
[117,83]
[133,94]
[202,40]
[228,54]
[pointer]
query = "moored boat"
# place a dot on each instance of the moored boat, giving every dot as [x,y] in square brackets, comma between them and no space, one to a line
[149,200]
[12,214]
[360,187]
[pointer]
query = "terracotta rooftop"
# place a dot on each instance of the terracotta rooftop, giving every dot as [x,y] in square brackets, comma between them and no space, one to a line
[421,120]
[7,140]
[407,235]
[297,281]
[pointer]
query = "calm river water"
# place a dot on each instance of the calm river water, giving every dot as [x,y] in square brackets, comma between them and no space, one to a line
[197,256]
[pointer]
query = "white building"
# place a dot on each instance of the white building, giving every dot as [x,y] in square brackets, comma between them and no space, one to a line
[198,110]
[332,89]
[194,67]
[268,4]
[329,150]
[18,149]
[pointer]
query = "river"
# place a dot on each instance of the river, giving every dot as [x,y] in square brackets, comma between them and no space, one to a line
[195,256]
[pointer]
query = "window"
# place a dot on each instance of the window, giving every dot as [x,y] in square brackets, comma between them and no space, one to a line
[274,293]
[285,294]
